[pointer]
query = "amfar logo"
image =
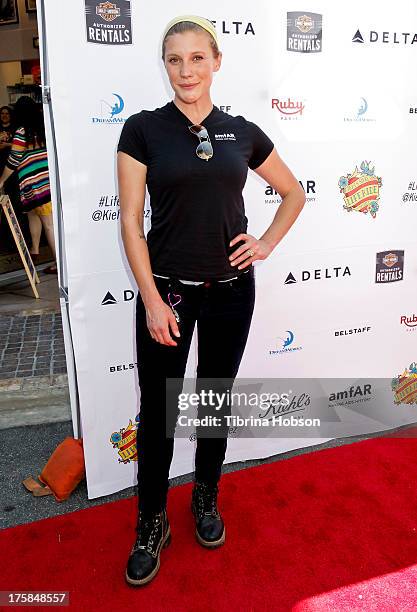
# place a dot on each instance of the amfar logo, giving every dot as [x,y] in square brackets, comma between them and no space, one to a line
[389,266]
[109,113]
[362,393]
[304,32]
[395,38]
[128,295]
[225,136]
[108,23]
[319,274]
[309,187]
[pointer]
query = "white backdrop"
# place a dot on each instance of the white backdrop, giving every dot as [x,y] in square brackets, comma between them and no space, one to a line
[353,101]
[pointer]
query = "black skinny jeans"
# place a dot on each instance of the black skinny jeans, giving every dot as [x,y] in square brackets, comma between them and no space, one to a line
[223,312]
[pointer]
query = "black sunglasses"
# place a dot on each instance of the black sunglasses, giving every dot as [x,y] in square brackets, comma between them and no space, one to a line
[204,150]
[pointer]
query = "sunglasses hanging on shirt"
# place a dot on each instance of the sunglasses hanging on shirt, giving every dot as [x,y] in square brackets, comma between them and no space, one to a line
[204,150]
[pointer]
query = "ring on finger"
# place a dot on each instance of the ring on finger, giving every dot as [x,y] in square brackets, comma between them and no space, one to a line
[250,252]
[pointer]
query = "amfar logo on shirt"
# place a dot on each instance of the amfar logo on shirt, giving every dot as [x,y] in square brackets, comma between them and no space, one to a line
[225,136]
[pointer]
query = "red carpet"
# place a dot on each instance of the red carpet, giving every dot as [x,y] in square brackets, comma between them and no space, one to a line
[329,530]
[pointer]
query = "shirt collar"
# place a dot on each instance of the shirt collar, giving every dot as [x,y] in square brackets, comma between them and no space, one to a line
[182,118]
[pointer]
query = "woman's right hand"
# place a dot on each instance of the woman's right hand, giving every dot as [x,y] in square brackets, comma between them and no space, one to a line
[160,319]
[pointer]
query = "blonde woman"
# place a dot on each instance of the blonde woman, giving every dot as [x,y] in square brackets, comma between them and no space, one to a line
[194,267]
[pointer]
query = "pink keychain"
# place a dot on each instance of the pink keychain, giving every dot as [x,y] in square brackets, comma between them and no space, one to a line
[175,295]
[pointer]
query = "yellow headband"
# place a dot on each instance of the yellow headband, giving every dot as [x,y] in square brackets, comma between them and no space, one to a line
[201,21]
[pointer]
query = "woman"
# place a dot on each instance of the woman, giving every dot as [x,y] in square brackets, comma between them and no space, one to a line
[194,266]
[6,134]
[29,159]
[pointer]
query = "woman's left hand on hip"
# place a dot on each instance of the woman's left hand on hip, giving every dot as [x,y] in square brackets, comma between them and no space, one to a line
[252,250]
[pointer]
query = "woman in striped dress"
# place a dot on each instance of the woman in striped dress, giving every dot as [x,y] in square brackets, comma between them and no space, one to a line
[29,159]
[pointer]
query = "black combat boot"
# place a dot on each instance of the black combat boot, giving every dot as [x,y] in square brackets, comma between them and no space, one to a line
[153,534]
[210,530]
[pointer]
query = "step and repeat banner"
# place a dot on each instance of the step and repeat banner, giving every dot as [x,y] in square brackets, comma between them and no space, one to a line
[336,307]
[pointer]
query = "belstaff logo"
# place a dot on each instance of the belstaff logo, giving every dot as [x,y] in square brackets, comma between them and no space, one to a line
[289,108]
[389,266]
[128,296]
[108,23]
[125,442]
[404,386]
[319,274]
[361,190]
[353,330]
[304,32]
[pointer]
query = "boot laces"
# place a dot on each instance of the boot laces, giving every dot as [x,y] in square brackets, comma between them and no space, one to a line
[147,530]
[207,500]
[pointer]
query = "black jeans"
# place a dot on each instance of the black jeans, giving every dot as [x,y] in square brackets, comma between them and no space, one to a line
[223,312]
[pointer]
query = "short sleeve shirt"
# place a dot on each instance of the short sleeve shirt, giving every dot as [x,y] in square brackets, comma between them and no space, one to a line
[197,206]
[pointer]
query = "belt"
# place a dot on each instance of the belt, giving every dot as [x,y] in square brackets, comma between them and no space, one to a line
[205,283]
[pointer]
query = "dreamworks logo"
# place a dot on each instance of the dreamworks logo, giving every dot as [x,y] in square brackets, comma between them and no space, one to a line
[128,296]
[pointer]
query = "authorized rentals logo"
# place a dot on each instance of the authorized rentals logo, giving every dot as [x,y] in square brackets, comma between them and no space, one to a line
[108,23]
[304,32]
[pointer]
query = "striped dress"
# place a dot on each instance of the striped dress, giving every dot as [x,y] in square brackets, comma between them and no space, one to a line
[32,168]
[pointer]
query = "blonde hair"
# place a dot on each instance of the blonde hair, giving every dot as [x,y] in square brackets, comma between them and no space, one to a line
[191,26]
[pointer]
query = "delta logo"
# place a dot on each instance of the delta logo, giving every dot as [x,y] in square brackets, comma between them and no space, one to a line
[404,386]
[125,442]
[128,296]
[393,38]
[361,190]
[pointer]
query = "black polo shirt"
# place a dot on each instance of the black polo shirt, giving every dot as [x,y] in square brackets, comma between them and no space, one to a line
[197,206]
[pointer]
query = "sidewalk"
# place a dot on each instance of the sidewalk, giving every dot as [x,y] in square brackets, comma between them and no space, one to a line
[33,376]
